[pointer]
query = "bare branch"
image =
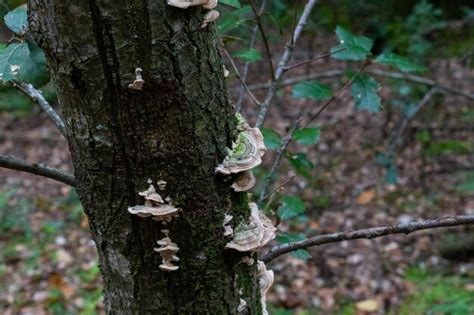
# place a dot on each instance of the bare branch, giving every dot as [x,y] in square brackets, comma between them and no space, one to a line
[370,233]
[380,73]
[284,61]
[39,99]
[258,18]
[395,140]
[15,163]
[245,72]
[295,126]
[239,77]
[304,62]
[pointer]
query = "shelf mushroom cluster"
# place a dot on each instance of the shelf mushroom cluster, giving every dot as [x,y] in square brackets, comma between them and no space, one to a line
[155,206]
[159,209]
[167,251]
[246,153]
[266,278]
[253,235]
[210,16]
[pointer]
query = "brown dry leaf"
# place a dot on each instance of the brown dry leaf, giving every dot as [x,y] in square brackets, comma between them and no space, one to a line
[57,281]
[469,287]
[367,306]
[365,197]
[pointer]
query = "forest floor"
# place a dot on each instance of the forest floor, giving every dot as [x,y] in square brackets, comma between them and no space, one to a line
[48,263]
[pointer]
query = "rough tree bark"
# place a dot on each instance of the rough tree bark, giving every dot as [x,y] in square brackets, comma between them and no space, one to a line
[176,130]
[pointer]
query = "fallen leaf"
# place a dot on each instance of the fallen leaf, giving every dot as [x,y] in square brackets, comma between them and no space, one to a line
[369,306]
[365,197]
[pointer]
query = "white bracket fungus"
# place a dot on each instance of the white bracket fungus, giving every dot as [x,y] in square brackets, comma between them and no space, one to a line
[228,231]
[184,4]
[253,235]
[247,151]
[242,306]
[245,181]
[167,252]
[266,278]
[138,83]
[155,206]
[226,72]
[209,17]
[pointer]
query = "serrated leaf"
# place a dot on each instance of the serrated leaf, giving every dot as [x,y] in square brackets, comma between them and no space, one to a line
[290,207]
[232,3]
[234,19]
[399,62]
[250,55]
[12,59]
[271,138]
[365,92]
[17,20]
[307,136]
[301,164]
[312,90]
[351,47]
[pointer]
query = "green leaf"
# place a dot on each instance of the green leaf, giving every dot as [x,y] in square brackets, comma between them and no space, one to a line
[301,164]
[307,136]
[34,70]
[17,20]
[302,254]
[365,93]
[31,72]
[271,138]
[399,62]
[290,207]
[232,3]
[234,19]
[311,90]
[250,55]
[12,59]
[353,47]
[284,238]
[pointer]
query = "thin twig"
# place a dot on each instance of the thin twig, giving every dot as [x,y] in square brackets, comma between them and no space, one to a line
[39,99]
[239,77]
[380,73]
[304,62]
[337,94]
[14,163]
[284,61]
[370,233]
[396,138]
[245,72]
[258,18]
[295,126]
[279,155]
[279,187]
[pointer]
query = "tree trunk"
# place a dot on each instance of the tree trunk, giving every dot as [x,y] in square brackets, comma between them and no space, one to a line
[176,129]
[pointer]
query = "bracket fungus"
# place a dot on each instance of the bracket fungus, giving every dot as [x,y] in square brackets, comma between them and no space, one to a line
[244,181]
[155,206]
[138,83]
[247,151]
[167,251]
[184,4]
[253,235]
[209,17]
[266,278]
[242,307]
[228,231]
